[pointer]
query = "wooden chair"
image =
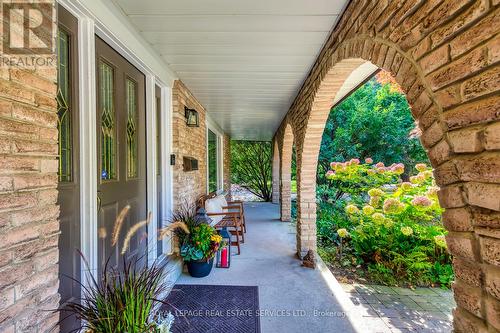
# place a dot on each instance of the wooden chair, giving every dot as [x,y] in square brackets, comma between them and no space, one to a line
[231,217]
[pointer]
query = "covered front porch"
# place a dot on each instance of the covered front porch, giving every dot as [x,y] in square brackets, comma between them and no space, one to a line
[142,101]
[295,299]
[292,298]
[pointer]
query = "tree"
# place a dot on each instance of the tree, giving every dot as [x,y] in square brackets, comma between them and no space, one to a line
[251,167]
[375,121]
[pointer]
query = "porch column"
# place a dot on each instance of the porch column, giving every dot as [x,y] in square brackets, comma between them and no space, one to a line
[285,192]
[306,202]
[276,174]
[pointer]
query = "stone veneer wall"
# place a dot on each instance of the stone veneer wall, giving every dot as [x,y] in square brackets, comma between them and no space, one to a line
[445,55]
[188,141]
[29,225]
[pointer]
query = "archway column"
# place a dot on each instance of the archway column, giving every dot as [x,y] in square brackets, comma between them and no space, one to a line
[276,174]
[285,191]
[286,150]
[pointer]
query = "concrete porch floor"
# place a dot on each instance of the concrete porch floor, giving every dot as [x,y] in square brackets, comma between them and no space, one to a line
[293,298]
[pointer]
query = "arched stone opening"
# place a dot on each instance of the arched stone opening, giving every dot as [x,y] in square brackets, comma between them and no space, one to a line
[287,143]
[276,173]
[450,91]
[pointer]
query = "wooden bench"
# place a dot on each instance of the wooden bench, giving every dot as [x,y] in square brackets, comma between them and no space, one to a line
[226,214]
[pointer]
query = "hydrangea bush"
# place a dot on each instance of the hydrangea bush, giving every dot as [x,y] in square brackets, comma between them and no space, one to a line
[393,227]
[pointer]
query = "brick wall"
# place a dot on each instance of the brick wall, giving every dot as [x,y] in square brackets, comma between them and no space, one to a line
[188,141]
[227,165]
[445,55]
[29,224]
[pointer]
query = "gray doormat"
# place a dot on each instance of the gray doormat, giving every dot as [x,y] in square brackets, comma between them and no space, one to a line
[210,309]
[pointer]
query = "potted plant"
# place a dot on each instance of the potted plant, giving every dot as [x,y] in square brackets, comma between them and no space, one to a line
[198,240]
[199,249]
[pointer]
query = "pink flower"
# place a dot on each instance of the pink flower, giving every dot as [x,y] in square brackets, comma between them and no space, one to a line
[421,167]
[370,172]
[333,165]
[421,201]
[398,168]
[368,160]
[354,161]
[392,205]
[380,165]
[330,174]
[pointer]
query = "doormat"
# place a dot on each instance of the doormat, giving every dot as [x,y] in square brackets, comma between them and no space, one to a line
[210,308]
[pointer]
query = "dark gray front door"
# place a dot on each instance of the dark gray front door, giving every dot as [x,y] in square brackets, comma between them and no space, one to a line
[121,146]
[69,176]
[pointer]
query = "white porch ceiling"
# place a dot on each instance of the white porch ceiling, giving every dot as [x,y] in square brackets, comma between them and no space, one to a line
[244,60]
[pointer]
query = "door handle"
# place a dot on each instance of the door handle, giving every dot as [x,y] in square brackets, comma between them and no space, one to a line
[99,201]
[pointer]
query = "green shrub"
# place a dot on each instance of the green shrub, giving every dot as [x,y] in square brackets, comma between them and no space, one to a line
[394,228]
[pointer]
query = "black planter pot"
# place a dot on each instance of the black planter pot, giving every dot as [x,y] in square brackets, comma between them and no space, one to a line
[200,268]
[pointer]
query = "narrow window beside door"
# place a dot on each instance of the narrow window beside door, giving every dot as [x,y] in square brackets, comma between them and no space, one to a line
[108,131]
[212,162]
[131,93]
[63,107]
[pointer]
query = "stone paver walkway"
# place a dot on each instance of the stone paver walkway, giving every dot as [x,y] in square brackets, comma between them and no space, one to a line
[394,309]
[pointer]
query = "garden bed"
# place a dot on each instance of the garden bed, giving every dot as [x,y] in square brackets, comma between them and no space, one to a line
[351,274]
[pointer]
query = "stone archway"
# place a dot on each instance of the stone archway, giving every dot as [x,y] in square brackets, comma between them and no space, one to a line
[446,58]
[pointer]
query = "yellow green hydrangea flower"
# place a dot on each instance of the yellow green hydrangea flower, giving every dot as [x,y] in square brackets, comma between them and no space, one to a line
[407,231]
[440,241]
[375,201]
[368,210]
[378,218]
[375,192]
[351,209]
[342,232]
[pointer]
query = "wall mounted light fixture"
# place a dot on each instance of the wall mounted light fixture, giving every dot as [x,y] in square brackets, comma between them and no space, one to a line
[192,117]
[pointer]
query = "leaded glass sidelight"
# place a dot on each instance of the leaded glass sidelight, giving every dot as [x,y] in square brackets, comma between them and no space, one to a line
[131,98]
[212,162]
[63,107]
[108,130]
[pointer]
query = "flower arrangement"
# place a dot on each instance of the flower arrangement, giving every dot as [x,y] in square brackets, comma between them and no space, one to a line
[203,243]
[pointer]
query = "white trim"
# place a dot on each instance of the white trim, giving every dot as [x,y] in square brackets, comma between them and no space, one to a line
[212,126]
[152,194]
[88,143]
[116,30]
[167,169]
